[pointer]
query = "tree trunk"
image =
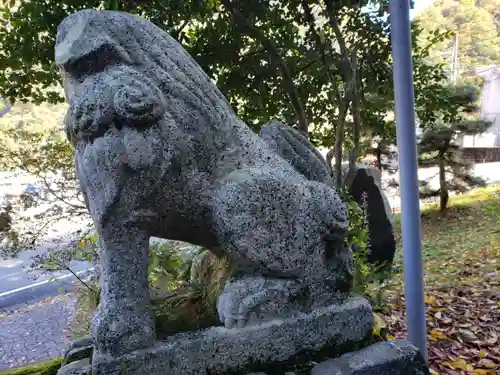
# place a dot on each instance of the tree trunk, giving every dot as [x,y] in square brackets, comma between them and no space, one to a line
[341,102]
[349,72]
[329,157]
[443,186]
[378,153]
[356,115]
[339,140]
[277,59]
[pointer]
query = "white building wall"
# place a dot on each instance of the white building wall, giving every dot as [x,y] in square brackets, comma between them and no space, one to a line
[490,109]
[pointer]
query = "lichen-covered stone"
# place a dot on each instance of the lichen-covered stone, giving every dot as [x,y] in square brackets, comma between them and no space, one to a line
[397,357]
[79,349]
[80,367]
[78,354]
[160,152]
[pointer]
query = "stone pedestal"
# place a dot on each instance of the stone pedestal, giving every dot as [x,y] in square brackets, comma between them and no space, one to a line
[397,357]
[259,347]
[270,346]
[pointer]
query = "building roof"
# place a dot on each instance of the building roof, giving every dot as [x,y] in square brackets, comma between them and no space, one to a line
[487,71]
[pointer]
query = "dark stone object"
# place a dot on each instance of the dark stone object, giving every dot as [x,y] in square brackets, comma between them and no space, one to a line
[80,367]
[79,349]
[366,190]
[396,357]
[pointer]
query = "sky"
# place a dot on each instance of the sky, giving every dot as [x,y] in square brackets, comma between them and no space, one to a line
[420,5]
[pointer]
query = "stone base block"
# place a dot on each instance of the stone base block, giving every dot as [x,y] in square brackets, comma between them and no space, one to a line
[269,346]
[79,367]
[397,357]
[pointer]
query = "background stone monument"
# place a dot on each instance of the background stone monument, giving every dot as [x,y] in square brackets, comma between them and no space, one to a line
[365,187]
[160,152]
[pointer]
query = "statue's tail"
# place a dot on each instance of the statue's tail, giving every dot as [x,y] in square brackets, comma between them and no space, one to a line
[292,146]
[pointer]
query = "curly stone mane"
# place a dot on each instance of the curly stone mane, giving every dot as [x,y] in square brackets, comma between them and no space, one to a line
[129,78]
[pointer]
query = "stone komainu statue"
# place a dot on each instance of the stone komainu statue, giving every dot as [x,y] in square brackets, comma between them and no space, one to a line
[160,152]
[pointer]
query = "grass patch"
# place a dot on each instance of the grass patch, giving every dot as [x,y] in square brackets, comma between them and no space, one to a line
[49,367]
[461,252]
[462,244]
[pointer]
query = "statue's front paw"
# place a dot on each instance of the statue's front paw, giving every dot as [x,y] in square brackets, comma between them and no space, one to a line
[241,297]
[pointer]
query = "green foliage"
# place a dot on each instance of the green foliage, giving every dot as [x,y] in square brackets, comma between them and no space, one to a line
[178,304]
[235,52]
[167,268]
[477,24]
[49,367]
[357,234]
[367,277]
[27,32]
[47,157]
[449,115]
[241,65]
[379,128]
[185,310]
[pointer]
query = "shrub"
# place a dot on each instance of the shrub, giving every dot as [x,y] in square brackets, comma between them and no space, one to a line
[172,297]
[368,278]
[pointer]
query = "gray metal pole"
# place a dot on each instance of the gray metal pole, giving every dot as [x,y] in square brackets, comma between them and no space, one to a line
[408,173]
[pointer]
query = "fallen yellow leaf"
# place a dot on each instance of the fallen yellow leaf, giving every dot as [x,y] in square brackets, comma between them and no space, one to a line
[438,335]
[484,372]
[459,363]
[430,300]
[379,327]
[484,362]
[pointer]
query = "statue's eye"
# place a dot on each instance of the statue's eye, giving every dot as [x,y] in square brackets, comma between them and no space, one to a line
[93,61]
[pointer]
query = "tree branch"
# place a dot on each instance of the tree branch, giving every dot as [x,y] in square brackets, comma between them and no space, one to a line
[356,115]
[177,33]
[277,59]
[249,54]
[321,47]
[67,268]
[342,102]
[336,29]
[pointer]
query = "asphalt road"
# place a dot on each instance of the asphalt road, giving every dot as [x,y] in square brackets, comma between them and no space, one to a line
[19,286]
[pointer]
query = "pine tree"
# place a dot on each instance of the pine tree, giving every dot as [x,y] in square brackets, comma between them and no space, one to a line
[454,115]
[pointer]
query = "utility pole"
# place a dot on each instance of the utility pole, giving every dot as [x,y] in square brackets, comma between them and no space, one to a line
[408,174]
[454,61]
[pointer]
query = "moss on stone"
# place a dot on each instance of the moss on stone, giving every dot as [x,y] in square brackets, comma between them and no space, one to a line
[209,274]
[194,307]
[49,367]
[187,309]
[182,313]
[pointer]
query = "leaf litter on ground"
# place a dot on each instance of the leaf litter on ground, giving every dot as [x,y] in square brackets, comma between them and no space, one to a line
[461,249]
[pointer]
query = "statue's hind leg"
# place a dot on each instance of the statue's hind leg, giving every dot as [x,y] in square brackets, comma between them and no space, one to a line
[273,229]
[245,294]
